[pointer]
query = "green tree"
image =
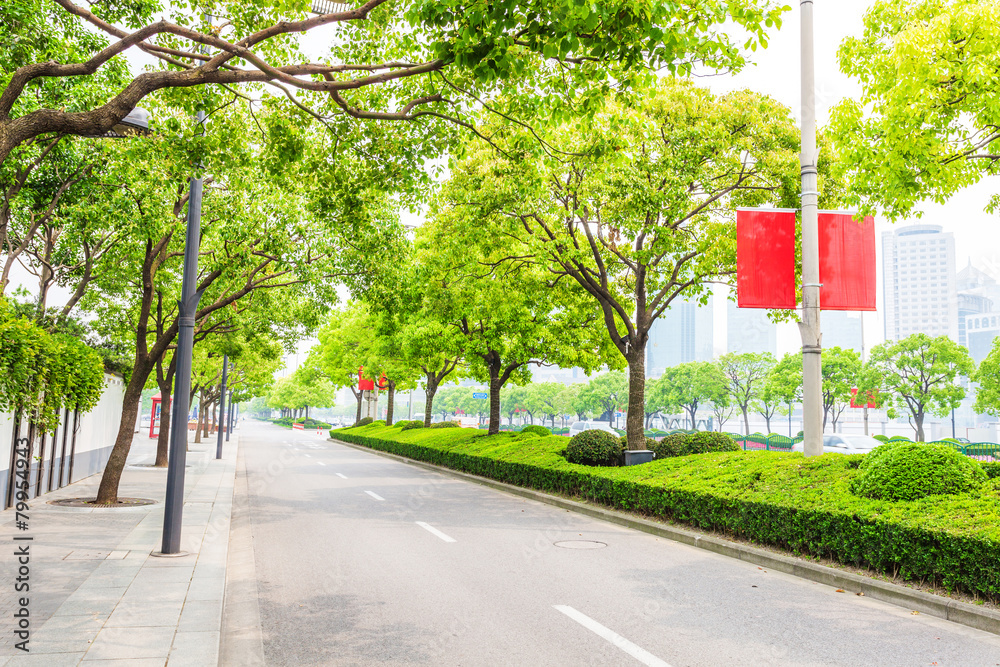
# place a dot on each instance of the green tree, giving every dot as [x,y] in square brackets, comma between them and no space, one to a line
[647,214]
[409,61]
[842,371]
[723,410]
[746,374]
[916,376]
[784,382]
[925,125]
[988,378]
[550,399]
[339,352]
[509,319]
[606,393]
[691,385]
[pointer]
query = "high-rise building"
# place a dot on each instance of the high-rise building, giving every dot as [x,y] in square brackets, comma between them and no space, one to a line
[919,282]
[842,329]
[681,334]
[749,330]
[978,293]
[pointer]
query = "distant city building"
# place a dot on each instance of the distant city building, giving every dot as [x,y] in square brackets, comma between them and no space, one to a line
[919,282]
[557,374]
[681,334]
[750,330]
[980,332]
[978,293]
[842,329]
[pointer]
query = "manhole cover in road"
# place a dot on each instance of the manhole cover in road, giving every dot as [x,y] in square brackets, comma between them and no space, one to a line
[580,544]
[89,502]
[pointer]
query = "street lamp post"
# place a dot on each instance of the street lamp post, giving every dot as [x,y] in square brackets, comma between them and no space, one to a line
[173,504]
[809,327]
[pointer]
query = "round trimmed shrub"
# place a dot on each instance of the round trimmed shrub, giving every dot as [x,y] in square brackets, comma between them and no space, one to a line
[899,438]
[671,445]
[699,442]
[594,448]
[991,468]
[703,442]
[881,438]
[416,423]
[537,430]
[445,425]
[650,443]
[905,470]
[364,421]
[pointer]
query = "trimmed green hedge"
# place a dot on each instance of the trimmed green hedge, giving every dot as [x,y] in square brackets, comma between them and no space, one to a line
[775,498]
[909,470]
[594,448]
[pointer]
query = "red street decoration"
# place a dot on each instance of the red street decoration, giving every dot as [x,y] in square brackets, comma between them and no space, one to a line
[871,400]
[846,262]
[765,258]
[363,384]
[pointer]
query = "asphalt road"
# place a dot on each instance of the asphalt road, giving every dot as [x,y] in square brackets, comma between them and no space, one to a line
[362,560]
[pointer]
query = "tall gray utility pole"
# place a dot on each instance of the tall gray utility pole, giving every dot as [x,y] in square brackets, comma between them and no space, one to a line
[812,404]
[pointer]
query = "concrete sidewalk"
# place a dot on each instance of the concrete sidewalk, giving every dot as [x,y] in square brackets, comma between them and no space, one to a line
[98,597]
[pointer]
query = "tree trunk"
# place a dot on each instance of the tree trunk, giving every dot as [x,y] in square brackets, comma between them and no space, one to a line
[429,390]
[746,420]
[767,420]
[692,410]
[199,426]
[495,387]
[918,420]
[391,398]
[107,492]
[635,419]
[163,439]
[215,417]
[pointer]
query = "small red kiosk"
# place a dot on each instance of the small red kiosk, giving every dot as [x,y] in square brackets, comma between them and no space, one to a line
[154,417]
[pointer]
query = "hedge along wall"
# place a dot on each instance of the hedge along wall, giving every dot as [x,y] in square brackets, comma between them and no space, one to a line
[779,499]
[95,436]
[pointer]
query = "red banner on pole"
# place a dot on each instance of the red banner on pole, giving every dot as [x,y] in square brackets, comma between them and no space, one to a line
[765,258]
[854,400]
[846,262]
[363,384]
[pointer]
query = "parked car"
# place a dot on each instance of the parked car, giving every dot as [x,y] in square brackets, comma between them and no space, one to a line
[580,427]
[845,444]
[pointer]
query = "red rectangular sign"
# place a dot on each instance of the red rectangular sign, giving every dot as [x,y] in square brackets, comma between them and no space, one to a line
[846,262]
[765,258]
[854,400]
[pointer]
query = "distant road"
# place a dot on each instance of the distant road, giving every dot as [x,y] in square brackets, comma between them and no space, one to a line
[362,560]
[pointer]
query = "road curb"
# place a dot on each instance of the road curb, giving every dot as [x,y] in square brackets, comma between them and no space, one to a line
[241,636]
[925,603]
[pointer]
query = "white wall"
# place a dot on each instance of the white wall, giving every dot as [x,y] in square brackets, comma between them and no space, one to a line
[95,436]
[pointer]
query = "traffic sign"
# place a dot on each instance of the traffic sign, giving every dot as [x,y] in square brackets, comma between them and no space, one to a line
[478,394]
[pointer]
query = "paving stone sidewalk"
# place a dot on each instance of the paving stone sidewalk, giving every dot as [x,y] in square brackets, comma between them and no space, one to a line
[97,595]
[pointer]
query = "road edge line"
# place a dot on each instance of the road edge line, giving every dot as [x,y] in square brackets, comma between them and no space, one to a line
[962,613]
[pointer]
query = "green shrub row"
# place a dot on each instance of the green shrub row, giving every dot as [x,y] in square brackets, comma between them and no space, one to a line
[307,423]
[773,498]
[698,442]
